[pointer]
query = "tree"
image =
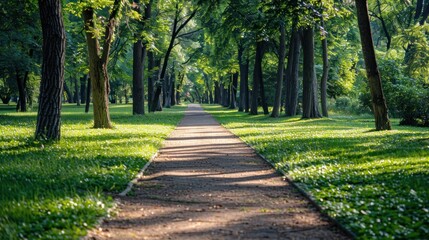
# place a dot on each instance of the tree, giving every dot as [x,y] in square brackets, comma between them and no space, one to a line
[379,105]
[178,24]
[139,56]
[54,43]
[99,57]
[324,81]
[280,70]
[310,108]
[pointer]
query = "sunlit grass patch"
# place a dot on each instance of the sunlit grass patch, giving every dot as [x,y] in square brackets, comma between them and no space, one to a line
[58,190]
[376,183]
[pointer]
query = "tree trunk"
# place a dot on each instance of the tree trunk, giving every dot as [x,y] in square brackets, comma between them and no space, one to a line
[88,95]
[138,86]
[150,66]
[257,77]
[242,80]
[382,121]
[292,73]
[69,94]
[280,71]
[139,56]
[309,93]
[324,81]
[175,31]
[83,81]
[48,125]
[76,97]
[98,62]
[22,92]
[234,86]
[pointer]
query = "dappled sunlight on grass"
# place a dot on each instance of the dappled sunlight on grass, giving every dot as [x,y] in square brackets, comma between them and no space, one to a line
[37,177]
[376,183]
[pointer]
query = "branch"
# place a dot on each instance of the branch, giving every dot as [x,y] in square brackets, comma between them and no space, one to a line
[188,33]
[184,23]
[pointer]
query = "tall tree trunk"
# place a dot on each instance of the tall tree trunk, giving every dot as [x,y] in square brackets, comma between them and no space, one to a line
[48,125]
[292,73]
[88,95]
[138,86]
[242,80]
[76,97]
[139,56]
[382,121]
[324,81]
[280,71]
[83,81]
[173,90]
[150,85]
[257,77]
[234,86]
[175,32]
[309,93]
[22,91]
[216,92]
[68,92]
[98,62]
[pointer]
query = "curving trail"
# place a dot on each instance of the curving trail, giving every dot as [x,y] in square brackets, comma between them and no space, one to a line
[207,184]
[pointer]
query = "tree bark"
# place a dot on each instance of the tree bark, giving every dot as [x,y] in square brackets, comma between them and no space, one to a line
[309,93]
[175,31]
[83,81]
[324,80]
[139,56]
[88,95]
[280,71]
[68,92]
[22,91]
[234,86]
[76,97]
[150,66]
[382,121]
[98,62]
[292,73]
[48,125]
[257,77]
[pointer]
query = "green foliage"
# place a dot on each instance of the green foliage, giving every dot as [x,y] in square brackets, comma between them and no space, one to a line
[375,183]
[56,190]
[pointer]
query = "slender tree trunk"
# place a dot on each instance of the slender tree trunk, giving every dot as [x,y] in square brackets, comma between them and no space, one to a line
[139,57]
[234,86]
[324,81]
[280,71]
[243,89]
[257,77]
[176,30]
[150,66]
[309,93]
[22,92]
[292,73]
[138,72]
[76,97]
[48,125]
[68,92]
[98,62]
[83,81]
[382,121]
[88,95]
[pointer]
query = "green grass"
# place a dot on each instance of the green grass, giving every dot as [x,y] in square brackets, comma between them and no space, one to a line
[375,183]
[57,191]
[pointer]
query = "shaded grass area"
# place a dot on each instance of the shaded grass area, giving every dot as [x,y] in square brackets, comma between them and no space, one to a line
[59,190]
[375,183]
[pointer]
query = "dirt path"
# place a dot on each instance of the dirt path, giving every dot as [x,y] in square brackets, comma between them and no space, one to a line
[207,184]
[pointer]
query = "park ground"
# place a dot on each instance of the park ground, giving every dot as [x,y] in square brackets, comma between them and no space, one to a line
[374,183]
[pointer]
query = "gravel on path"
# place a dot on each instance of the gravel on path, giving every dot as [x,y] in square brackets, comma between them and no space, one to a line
[207,184]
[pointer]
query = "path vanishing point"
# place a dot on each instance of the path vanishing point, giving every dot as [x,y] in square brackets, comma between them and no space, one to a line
[207,184]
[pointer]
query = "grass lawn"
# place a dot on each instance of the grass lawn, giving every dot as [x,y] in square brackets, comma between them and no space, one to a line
[58,191]
[375,183]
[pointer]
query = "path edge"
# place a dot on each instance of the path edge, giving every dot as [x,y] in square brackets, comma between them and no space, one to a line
[301,190]
[129,187]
